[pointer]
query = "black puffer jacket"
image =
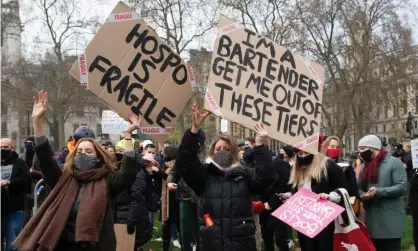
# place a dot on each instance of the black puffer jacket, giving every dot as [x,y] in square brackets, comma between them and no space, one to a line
[130,204]
[225,196]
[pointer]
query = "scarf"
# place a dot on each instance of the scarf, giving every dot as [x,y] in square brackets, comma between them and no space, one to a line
[44,230]
[370,173]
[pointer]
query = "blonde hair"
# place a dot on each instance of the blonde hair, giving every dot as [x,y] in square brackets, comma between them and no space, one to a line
[316,170]
[326,144]
[232,144]
[407,147]
[101,154]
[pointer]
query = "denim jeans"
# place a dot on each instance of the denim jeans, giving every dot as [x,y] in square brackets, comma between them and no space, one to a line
[11,225]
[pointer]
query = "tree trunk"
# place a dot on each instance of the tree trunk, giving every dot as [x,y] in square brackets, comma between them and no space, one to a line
[61,126]
[53,129]
[359,127]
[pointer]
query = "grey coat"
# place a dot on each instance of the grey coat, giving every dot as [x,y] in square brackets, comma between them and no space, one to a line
[385,212]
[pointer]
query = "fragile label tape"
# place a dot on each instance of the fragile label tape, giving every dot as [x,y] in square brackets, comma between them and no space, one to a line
[120,17]
[84,78]
[311,69]
[216,109]
[306,142]
[229,28]
[192,77]
[157,130]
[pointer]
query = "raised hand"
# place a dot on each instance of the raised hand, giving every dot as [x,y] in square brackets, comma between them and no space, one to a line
[40,105]
[261,134]
[135,123]
[197,118]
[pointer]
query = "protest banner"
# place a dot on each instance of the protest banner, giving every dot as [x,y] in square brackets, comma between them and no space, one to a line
[253,79]
[133,72]
[124,241]
[414,152]
[305,213]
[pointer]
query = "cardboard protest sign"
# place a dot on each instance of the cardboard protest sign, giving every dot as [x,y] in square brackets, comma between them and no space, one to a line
[253,79]
[305,213]
[414,152]
[124,241]
[132,71]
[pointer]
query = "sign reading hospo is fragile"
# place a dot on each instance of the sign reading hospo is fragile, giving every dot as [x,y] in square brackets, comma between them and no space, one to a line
[253,79]
[131,70]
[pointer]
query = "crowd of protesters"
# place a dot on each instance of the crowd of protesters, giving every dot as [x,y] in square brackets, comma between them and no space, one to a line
[209,196]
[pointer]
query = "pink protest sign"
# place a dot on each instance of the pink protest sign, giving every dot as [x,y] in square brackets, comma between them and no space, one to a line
[306,214]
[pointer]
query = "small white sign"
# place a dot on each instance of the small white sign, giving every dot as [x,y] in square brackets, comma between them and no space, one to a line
[414,152]
[6,172]
[224,125]
[112,123]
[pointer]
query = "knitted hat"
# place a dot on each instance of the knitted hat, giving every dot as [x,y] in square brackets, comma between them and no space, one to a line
[371,141]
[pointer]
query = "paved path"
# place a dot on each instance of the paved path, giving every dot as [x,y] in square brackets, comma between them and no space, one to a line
[411,248]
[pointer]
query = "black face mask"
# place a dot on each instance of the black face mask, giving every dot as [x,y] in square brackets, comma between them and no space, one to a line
[119,156]
[84,162]
[6,154]
[280,156]
[223,158]
[367,155]
[305,161]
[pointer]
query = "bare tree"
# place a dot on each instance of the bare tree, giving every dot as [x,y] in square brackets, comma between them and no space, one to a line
[364,48]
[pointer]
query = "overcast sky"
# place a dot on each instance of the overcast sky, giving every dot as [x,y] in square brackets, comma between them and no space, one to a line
[35,28]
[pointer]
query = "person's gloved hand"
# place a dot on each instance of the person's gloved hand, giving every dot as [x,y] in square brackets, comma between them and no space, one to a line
[258,207]
[130,228]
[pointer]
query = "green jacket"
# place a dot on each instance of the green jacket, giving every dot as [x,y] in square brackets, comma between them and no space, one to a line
[385,212]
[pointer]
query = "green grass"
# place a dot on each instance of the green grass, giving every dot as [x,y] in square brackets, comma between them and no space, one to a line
[407,241]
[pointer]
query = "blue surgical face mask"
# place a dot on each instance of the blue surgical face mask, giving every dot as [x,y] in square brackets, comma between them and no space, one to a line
[29,147]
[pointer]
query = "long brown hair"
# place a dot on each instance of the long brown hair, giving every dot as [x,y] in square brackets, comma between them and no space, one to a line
[101,154]
[326,144]
[232,144]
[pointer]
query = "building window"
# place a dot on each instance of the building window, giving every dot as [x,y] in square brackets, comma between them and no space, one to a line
[384,128]
[416,103]
[98,129]
[4,131]
[377,128]
[368,129]
[395,110]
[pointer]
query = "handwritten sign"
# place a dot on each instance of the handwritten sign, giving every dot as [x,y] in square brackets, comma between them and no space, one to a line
[133,71]
[252,79]
[306,214]
[112,123]
[6,172]
[414,152]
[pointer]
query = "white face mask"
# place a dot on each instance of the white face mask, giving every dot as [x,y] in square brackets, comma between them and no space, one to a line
[151,155]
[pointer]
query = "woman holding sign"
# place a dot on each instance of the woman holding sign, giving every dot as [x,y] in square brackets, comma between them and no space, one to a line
[323,176]
[225,188]
[77,215]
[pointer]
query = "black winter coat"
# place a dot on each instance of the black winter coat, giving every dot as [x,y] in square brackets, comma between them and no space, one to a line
[13,195]
[281,185]
[225,196]
[130,204]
